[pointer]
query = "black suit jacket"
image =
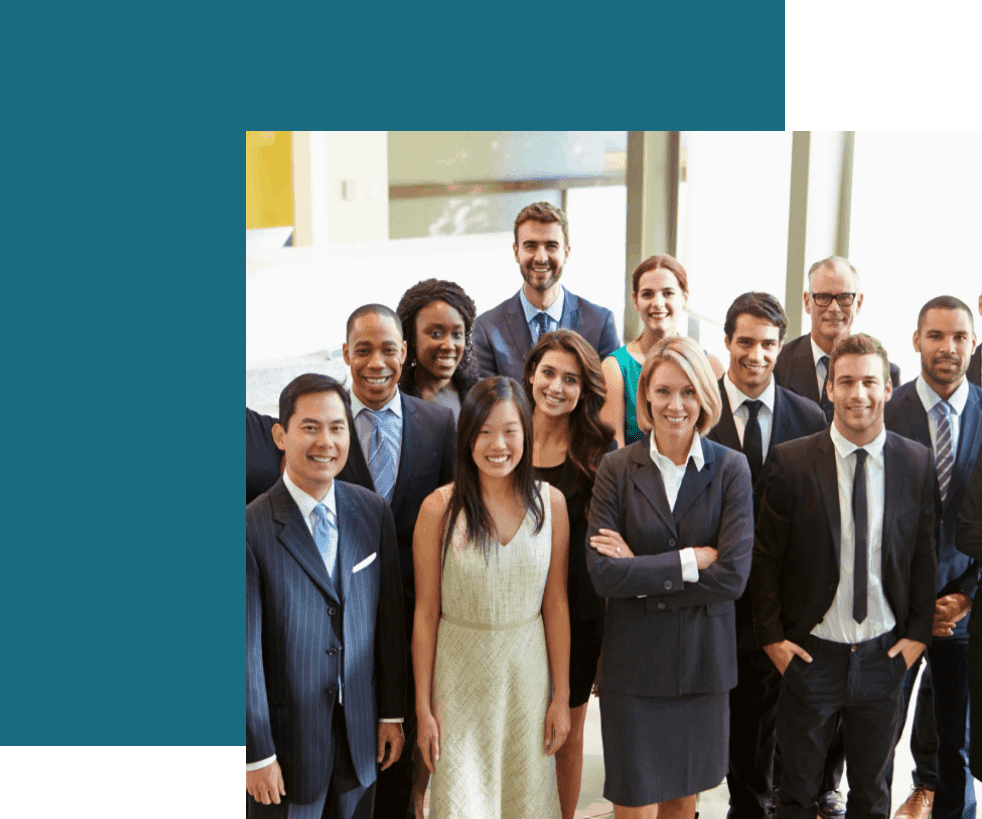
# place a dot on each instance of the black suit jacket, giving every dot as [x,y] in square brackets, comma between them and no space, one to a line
[794,417]
[502,338]
[426,460]
[298,631]
[795,369]
[796,552]
[905,415]
[974,373]
[664,637]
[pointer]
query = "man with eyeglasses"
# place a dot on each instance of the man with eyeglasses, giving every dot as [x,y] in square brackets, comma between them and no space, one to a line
[833,299]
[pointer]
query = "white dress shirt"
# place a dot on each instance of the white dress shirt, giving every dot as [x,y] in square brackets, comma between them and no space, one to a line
[838,626]
[821,370]
[765,415]
[929,398]
[671,476]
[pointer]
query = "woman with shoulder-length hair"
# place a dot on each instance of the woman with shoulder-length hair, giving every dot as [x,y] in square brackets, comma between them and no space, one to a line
[492,622]
[661,290]
[671,526]
[565,386]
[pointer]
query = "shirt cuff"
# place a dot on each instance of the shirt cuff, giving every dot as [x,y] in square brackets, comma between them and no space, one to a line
[690,569]
[391,719]
[255,766]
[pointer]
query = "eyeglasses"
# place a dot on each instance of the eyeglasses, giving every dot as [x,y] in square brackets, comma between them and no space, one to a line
[825,299]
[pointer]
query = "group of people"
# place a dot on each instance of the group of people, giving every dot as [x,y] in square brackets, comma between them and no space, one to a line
[745,561]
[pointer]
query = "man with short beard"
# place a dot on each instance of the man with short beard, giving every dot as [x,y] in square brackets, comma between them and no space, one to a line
[504,335]
[942,410]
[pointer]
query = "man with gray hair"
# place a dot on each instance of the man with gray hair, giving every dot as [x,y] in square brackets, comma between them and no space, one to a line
[833,299]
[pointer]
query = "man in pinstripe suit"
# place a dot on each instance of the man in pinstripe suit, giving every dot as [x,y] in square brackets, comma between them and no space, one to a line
[325,642]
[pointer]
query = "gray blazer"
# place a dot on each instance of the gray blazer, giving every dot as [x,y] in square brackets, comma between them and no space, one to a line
[502,338]
[664,637]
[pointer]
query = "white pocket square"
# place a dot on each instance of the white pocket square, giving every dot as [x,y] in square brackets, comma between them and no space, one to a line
[366,562]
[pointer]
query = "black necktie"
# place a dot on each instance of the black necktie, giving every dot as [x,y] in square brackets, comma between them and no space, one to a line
[824,400]
[753,446]
[859,520]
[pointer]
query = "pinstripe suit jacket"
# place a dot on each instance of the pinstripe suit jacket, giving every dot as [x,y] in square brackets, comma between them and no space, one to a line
[297,631]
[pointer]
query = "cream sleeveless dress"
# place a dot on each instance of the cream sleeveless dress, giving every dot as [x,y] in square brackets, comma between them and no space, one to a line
[491,680]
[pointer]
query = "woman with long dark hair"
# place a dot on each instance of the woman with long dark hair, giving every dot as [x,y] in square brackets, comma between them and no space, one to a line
[565,385]
[437,317]
[492,623]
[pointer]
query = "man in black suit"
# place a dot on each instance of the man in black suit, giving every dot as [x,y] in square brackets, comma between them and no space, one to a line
[756,416]
[833,300]
[325,650]
[405,448]
[842,583]
[943,411]
[504,335]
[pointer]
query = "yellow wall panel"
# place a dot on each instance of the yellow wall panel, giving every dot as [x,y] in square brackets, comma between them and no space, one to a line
[269,179]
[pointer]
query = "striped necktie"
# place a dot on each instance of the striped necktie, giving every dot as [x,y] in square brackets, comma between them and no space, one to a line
[944,454]
[382,450]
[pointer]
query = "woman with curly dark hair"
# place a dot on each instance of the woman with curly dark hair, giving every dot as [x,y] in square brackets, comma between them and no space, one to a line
[565,385]
[437,317]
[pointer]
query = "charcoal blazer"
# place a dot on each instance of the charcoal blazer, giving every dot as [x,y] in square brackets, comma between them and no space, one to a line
[502,338]
[664,637]
[794,417]
[905,415]
[795,369]
[796,551]
[297,631]
[426,458]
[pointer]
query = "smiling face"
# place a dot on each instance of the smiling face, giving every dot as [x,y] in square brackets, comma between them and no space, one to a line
[541,251]
[375,353]
[556,384]
[832,322]
[674,404]
[753,351]
[315,441]
[440,340]
[858,391]
[660,301]
[945,341]
[500,441]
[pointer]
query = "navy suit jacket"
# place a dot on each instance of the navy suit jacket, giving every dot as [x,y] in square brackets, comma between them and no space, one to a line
[502,338]
[426,461]
[969,538]
[664,637]
[298,631]
[795,369]
[905,415]
[796,552]
[794,417]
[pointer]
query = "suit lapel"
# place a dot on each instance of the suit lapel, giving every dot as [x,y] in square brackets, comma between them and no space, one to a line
[916,419]
[647,478]
[352,537]
[570,319]
[725,432]
[411,434]
[521,336]
[824,467]
[296,538]
[781,430]
[891,492]
[356,468]
[805,377]
[695,481]
[969,439]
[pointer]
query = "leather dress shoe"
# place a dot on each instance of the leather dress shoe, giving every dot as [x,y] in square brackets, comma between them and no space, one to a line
[917,806]
[831,805]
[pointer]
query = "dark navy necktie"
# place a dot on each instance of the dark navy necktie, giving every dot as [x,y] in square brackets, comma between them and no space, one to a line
[861,530]
[824,399]
[753,446]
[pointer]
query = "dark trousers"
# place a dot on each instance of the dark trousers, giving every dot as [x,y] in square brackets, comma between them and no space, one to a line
[753,715]
[923,731]
[343,798]
[975,708]
[393,796]
[954,797]
[860,683]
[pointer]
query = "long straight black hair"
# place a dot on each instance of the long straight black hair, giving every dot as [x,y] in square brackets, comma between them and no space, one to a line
[466,496]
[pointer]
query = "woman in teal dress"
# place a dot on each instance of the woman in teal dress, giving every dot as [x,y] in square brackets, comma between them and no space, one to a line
[661,290]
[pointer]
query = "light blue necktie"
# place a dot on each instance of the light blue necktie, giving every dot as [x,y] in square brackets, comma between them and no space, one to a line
[383,447]
[542,321]
[326,538]
[944,452]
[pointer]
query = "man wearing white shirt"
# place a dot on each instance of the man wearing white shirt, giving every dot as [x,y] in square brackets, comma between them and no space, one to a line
[325,651]
[842,583]
[756,415]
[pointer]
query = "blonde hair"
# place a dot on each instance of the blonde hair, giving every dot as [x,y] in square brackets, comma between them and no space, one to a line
[685,354]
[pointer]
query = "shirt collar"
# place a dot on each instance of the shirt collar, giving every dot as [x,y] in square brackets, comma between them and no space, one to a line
[663,462]
[395,405]
[817,352]
[554,311]
[929,397]
[737,397]
[844,447]
[305,502]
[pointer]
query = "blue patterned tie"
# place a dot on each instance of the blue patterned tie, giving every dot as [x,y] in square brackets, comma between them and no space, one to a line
[824,400]
[326,538]
[944,452]
[542,320]
[382,450]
